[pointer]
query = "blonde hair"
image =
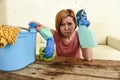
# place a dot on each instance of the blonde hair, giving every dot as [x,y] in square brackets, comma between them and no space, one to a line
[61,15]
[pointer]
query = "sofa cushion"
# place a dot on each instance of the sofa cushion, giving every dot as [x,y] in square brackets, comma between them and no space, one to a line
[106,52]
[114,41]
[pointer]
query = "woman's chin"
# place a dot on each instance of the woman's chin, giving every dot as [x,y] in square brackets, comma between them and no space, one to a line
[67,35]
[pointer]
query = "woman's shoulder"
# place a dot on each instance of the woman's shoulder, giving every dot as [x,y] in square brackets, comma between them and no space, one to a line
[76,32]
[54,32]
[57,37]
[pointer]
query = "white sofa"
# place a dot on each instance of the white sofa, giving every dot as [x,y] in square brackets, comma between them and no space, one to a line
[108,42]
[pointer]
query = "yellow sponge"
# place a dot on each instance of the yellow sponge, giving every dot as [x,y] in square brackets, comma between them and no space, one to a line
[41,55]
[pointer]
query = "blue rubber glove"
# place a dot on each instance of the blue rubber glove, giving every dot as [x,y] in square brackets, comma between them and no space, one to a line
[82,18]
[49,50]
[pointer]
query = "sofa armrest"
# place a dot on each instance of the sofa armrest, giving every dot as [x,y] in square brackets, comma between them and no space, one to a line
[114,41]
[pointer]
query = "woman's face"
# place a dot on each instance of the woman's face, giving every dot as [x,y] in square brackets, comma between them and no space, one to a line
[67,26]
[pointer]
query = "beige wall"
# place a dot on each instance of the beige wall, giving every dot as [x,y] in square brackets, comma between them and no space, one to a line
[21,12]
[3,12]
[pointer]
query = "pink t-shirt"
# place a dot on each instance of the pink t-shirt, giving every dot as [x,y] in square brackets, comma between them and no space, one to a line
[70,50]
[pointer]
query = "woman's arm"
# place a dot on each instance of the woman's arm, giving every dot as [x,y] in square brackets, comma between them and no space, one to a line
[45,32]
[40,27]
[48,36]
[87,53]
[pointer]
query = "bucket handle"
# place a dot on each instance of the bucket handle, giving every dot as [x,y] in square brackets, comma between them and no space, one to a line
[30,30]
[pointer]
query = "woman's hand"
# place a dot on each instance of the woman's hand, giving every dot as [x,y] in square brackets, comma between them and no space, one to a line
[36,25]
[82,18]
[39,27]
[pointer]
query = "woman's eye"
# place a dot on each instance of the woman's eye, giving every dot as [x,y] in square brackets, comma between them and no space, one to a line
[69,24]
[62,24]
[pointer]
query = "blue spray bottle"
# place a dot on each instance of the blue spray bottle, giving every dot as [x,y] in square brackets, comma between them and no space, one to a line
[87,37]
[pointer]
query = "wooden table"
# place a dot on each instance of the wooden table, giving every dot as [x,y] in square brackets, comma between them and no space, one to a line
[66,69]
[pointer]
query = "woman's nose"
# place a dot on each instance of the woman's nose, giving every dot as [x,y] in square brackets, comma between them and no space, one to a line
[66,27]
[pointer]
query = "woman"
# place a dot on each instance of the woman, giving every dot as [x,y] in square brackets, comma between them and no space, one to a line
[66,37]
